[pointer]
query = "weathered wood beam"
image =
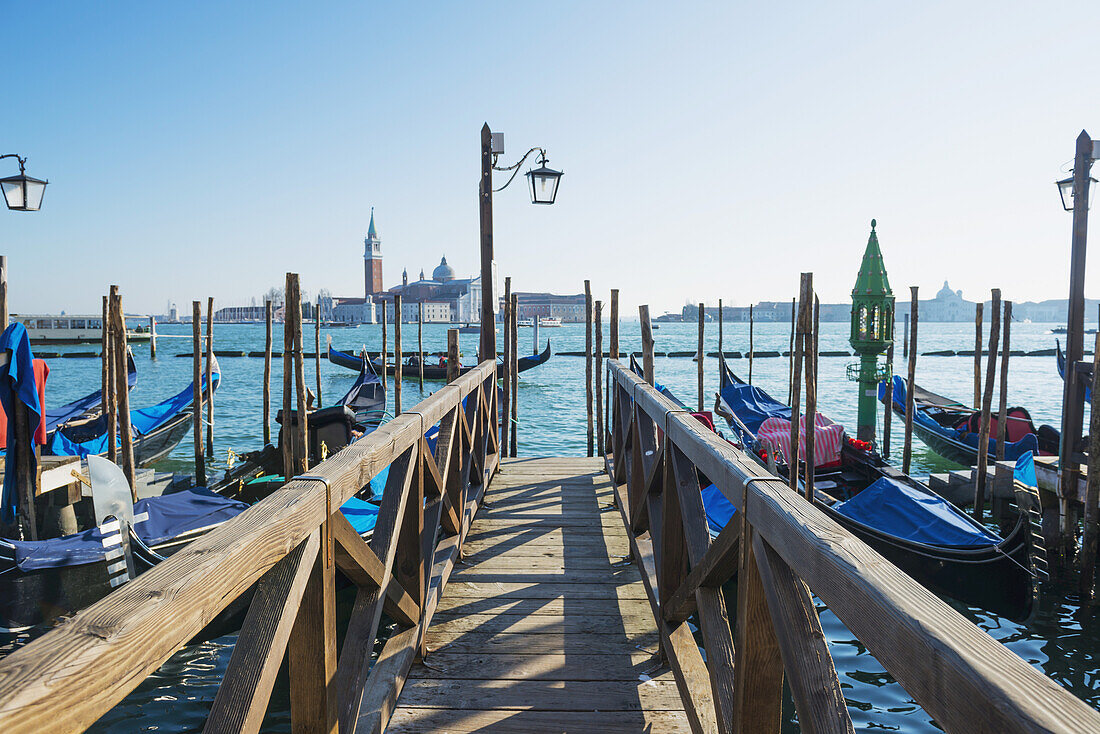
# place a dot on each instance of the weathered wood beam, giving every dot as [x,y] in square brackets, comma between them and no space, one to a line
[758,677]
[358,562]
[242,698]
[806,659]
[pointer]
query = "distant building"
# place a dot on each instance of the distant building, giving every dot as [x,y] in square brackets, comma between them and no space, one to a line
[353,310]
[447,297]
[532,306]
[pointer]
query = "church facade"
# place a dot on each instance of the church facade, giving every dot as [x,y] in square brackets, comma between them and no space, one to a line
[446,297]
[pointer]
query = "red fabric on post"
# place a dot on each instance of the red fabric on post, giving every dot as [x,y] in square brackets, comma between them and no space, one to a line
[41,372]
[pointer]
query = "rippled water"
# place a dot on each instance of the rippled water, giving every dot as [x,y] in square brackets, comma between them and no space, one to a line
[1062,639]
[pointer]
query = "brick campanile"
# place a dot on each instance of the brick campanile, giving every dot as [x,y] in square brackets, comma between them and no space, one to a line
[372,260]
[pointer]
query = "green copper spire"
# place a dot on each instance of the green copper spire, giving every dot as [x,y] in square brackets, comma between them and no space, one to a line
[871,334]
[872,280]
[370,229]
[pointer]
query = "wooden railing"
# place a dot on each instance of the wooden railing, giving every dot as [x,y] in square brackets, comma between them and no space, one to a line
[782,548]
[285,551]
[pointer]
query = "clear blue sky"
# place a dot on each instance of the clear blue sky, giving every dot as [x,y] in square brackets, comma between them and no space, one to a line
[710,149]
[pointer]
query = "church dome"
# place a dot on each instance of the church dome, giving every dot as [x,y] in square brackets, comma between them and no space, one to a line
[946,292]
[444,272]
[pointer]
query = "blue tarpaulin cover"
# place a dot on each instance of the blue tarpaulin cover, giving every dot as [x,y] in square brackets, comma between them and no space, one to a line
[753,406]
[905,512]
[57,416]
[143,421]
[361,514]
[169,516]
[719,509]
[1025,470]
[17,384]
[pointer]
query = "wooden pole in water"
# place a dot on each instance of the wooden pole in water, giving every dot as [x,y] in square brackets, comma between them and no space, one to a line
[1002,413]
[907,445]
[888,415]
[122,390]
[515,373]
[317,349]
[420,341]
[398,358]
[720,344]
[797,353]
[385,346]
[810,357]
[210,378]
[267,374]
[599,379]
[905,338]
[108,391]
[588,364]
[647,343]
[790,362]
[152,337]
[701,356]
[288,434]
[506,366]
[300,381]
[817,331]
[1092,493]
[978,308]
[987,405]
[535,335]
[613,327]
[452,355]
[750,342]
[196,397]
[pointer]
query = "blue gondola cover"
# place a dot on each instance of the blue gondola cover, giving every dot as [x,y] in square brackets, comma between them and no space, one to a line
[905,512]
[361,514]
[170,515]
[752,405]
[719,509]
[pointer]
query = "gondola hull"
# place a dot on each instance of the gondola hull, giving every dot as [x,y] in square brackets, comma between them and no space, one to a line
[431,372]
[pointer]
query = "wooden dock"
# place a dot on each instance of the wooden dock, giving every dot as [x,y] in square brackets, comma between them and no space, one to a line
[543,627]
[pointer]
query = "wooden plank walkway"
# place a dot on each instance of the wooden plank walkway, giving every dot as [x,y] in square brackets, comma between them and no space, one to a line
[542,628]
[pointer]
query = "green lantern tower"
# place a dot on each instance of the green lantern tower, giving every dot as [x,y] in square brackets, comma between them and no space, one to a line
[872,333]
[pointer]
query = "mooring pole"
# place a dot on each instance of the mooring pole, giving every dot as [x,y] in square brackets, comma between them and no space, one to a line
[599,379]
[907,445]
[398,355]
[515,374]
[452,355]
[987,406]
[588,364]
[209,378]
[196,398]
[647,343]
[152,337]
[701,357]
[267,374]
[978,308]
[1092,493]
[506,366]
[750,342]
[1002,413]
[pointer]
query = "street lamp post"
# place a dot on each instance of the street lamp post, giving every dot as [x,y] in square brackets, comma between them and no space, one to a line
[543,183]
[1075,197]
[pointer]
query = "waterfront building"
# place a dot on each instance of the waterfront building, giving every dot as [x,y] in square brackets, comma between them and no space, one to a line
[448,297]
[567,308]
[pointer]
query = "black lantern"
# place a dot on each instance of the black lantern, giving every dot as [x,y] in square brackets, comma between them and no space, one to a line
[23,193]
[544,183]
[1065,190]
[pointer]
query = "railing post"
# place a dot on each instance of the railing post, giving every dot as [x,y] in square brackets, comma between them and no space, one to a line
[312,648]
[758,674]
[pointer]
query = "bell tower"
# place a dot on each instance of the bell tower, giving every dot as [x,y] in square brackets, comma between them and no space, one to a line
[372,260]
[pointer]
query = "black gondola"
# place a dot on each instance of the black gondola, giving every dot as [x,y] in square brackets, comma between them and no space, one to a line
[986,570]
[431,371]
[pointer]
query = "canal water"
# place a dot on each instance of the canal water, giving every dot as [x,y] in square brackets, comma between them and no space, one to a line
[1061,640]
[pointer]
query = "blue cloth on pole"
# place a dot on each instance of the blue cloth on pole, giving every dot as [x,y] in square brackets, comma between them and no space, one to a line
[719,510]
[906,512]
[18,384]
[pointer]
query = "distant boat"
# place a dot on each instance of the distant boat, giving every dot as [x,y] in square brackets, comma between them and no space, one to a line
[525,322]
[549,322]
[1064,330]
[71,329]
